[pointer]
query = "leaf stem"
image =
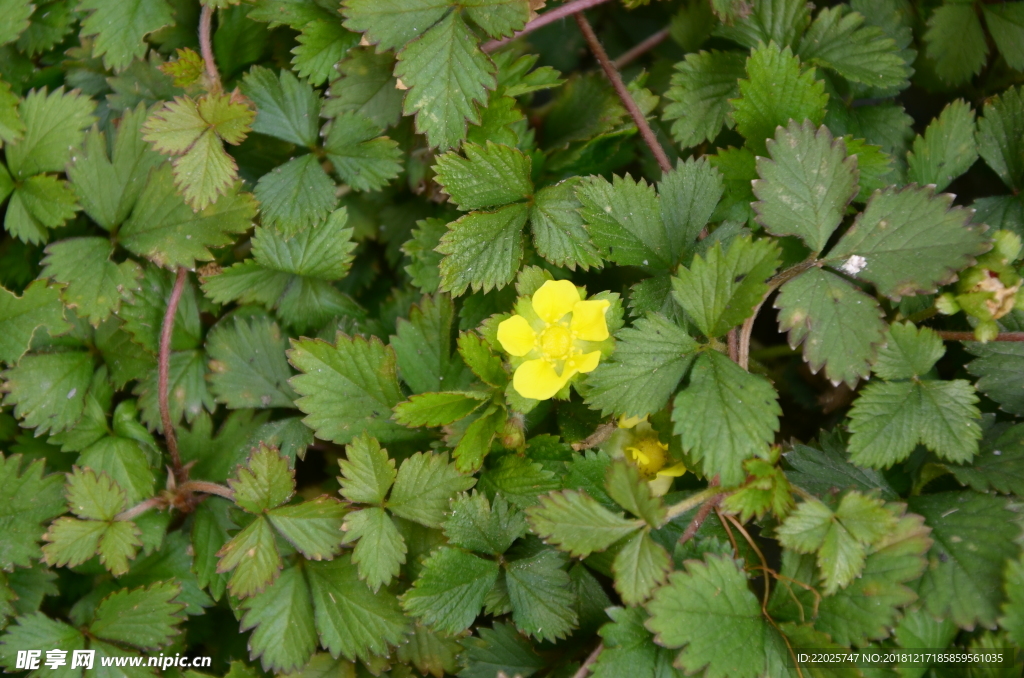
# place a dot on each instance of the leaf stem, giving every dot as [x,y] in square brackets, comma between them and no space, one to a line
[692,502]
[163,373]
[631,55]
[773,284]
[140,508]
[208,488]
[698,520]
[969,336]
[584,670]
[206,45]
[543,20]
[620,88]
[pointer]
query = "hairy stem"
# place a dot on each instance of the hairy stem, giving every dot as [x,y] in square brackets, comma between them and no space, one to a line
[543,20]
[208,488]
[698,520]
[584,670]
[163,373]
[157,502]
[631,55]
[627,99]
[206,46]
[693,502]
[969,336]
[773,284]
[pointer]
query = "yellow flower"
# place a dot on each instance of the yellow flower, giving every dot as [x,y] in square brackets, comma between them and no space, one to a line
[554,333]
[650,455]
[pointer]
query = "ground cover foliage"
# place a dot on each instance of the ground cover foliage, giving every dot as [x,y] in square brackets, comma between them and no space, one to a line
[353,338]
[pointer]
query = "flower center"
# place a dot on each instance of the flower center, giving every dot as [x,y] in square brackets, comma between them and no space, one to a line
[556,342]
[649,455]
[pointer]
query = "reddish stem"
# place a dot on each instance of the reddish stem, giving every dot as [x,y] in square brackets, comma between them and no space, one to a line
[206,46]
[164,370]
[631,55]
[969,336]
[544,19]
[702,515]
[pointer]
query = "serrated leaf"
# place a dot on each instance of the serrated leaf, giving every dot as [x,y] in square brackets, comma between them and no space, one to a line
[41,202]
[776,91]
[164,229]
[48,390]
[1000,130]
[187,383]
[392,23]
[312,527]
[690,610]
[955,41]
[322,44]
[688,195]
[624,220]
[120,28]
[446,74]
[479,357]
[721,289]
[889,419]
[71,542]
[856,50]
[20,318]
[27,500]
[484,249]
[519,480]
[55,123]
[347,388]
[35,631]
[1006,25]
[296,195]
[252,559]
[629,647]
[265,481]
[999,366]
[805,187]
[125,462]
[248,367]
[946,150]
[489,176]
[94,497]
[438,409]
[145,618]
[423,346]
[367,472]
[362,158]
[380,549]
[974,535]
[15,14]
[476,525]
[95,285]
[840,326]
[542,601]
[909,241]
[998,464]
[700,94]
[350,619]
[558,229]
[323,251]
[424,486]
[577,524]
[366,87]
[908,352]
[640,566]
[499,18]
[448,594]
[286,107]
[724,416]
[210,529]
[500,648]
[281,618]
[780,20]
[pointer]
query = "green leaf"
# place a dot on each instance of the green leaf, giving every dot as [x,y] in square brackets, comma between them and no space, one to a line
[489,176]
[499,18]
[955,42]
[479,357]
[558,229]
[908,352]
[35,631]
[700,92]
[48,390]
[640,566]
[120,28]
[145,618]
[476,441]
[108,187]
[999,366]
[629,647]
[252,558]
[424,486]
[840,326]
[322,44]
[27,500]
[423,347]
[974,535]
[484,249]
[40,203]
[286,107]
[997,466]
[805,187]
[624,220]
[350,619]
[210,529]
[780,20]
[265,482]
[15,15]
[248,367]
[367,472]
[889,419]
[776,91]
[448,594]
[1006,25]
[857,51]
[366,87]
[446,74]
[55,123]
[575,523]
[363,159]
[627,488]
[380,551]
[439,409]
[164,229]
[649,360]
[188,393]
[296,195]
[313,527]
[390,24]
[690,611]
[720,290]
[1000,130]
[71,542]
[498,649]
[519,480]
[20,318]
[724,416]
[95,285]
[688,195]
[281,618]
[542,601]
[947,148]
[125,462]
[348,388]
[476,525]
[909,241]
[323,251]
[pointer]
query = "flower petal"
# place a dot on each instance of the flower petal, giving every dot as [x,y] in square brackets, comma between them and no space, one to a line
[516,336]
[588,321]
[630,422]
[583,363]
[538,380]
[554,299]
[673,471]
